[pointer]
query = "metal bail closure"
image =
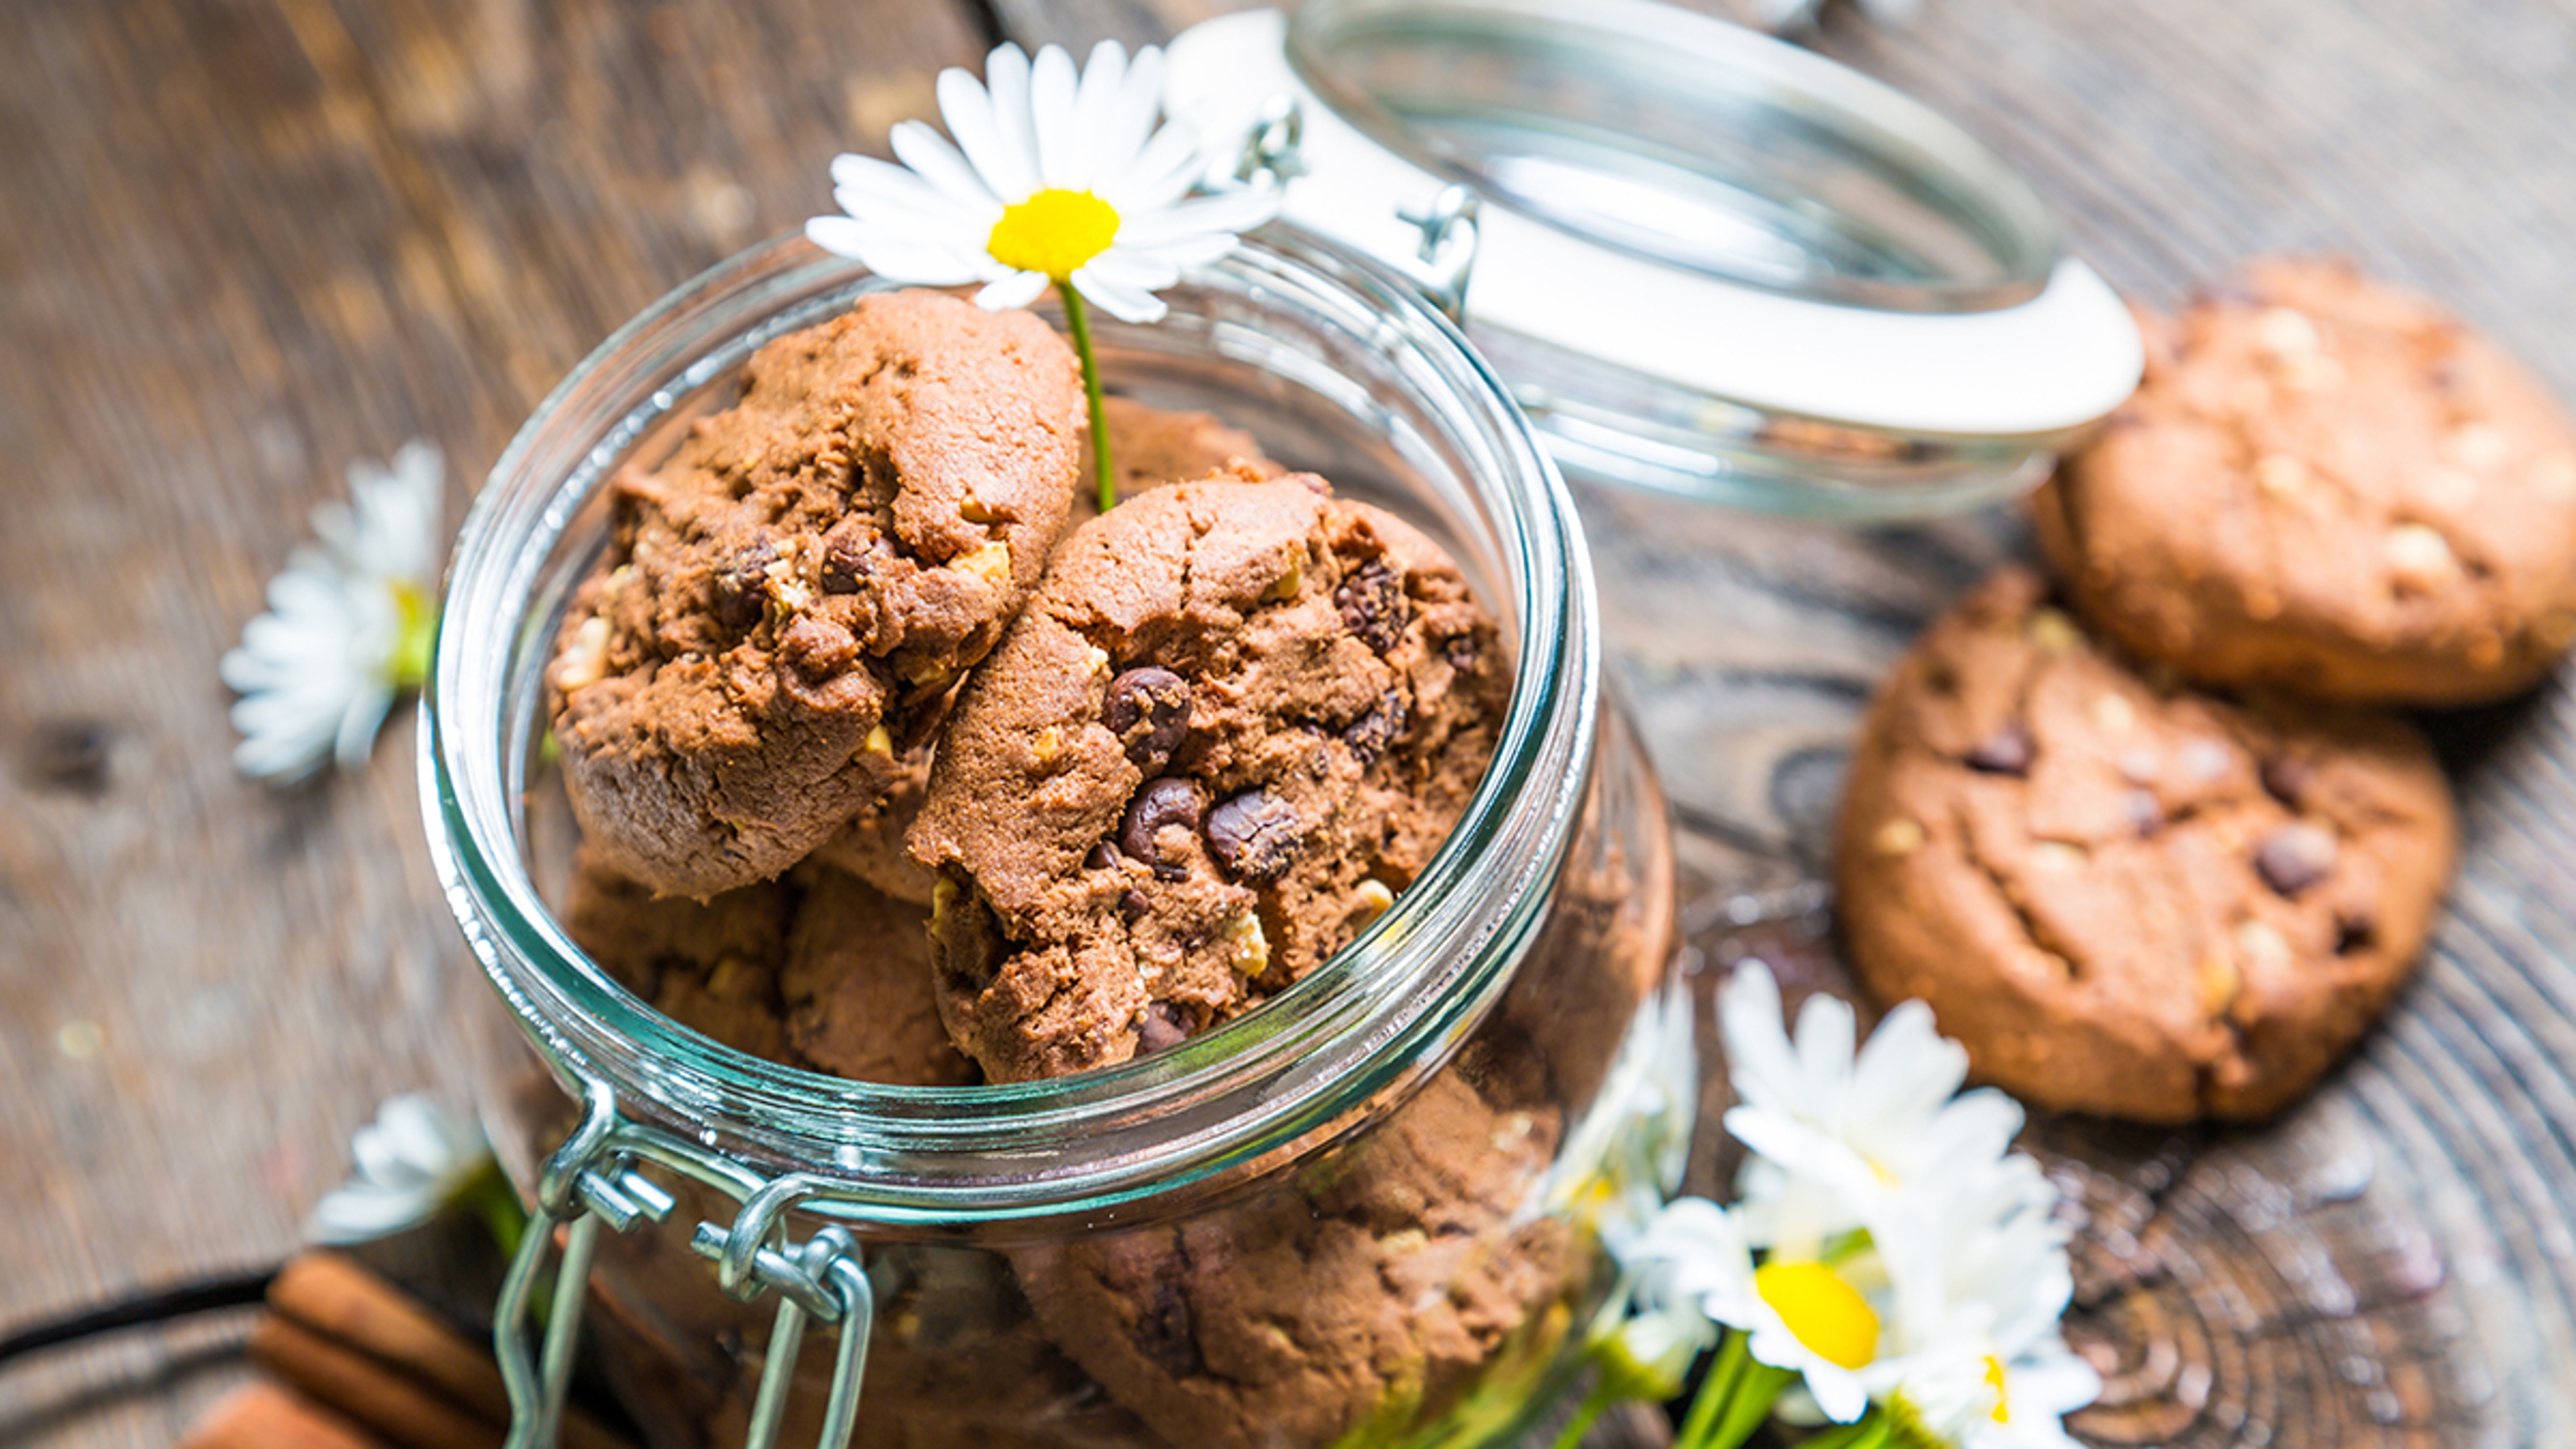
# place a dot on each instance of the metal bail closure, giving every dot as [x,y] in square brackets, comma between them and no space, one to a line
[593,1179]
[1273,155]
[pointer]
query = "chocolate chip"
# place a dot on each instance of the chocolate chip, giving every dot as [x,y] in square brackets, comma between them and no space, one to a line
[2145,813]
[1253,836]
[1103,856]
[2294,857]
[1462,653]
[853,554]
[1132,906]
[2287,779]
[1163,1027]
[1165,802]
[1372,604]
[742,585]
[2007,751]
[1148,709]
[2354,931]
[1371,734]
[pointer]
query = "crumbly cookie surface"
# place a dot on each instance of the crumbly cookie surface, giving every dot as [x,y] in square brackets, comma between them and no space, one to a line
[1367,1291]
[2148,904]
[1236,719]
[819,970]
[805,579]
[1152,447]
[2327,485]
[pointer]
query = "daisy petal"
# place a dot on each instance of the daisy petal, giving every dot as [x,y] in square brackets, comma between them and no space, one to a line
[1095,109]
[968,109]
[1128,117]
[1126,303]
[939,164]
[1159,175]
[895,258]
[1018,289]
[1149,271]
[1006,82]
[1053,86]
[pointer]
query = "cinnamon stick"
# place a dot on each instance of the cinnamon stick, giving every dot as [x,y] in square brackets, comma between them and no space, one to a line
[264,1416]
[402,1411]
[339,1300]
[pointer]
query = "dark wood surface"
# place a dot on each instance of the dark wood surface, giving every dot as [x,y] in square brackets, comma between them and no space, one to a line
[244,241]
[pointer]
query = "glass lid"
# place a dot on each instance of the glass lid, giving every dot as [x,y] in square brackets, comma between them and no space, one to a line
[1738,157]
[1708,261]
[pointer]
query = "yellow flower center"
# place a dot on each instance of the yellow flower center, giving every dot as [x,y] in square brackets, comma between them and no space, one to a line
[418,625]
[1995,1376]
[1827,1314]
[1053,232]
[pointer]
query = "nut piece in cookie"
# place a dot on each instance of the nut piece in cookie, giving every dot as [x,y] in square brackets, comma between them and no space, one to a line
[1236,719]
[2330,486]
[805,579]
[2151,905]
[819,971]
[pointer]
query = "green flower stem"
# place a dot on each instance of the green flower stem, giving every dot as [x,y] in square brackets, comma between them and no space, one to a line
[490,1198]
[1872,1431]
[1603,1396]
[1077,320]
[1754,1397]
[1715,1391]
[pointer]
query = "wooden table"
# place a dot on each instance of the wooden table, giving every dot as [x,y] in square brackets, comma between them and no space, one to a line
[247,240]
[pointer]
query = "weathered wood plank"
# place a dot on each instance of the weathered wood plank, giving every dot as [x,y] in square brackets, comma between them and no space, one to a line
[246,241]
[249,239]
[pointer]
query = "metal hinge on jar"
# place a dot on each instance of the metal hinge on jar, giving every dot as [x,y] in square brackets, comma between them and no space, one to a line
[1273,155]
[593,1179]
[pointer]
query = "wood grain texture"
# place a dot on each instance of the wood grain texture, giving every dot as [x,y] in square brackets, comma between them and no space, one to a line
[244,242]
[247,240]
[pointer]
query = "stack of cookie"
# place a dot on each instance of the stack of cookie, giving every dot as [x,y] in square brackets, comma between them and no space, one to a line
[2159,852]
[893,760]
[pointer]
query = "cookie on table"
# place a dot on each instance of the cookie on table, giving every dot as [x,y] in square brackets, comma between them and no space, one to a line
[2143,903]
[802,583]
[2330,486]
[818,971]
[1234,722]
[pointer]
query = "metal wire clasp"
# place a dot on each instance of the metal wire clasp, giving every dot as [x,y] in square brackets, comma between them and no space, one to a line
[1273,155]
[593,1179]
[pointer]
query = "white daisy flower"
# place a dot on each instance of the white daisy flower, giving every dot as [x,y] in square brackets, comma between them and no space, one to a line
[412,1161]
[1052,177]
[1986,1401]
[1627,1154]
[1865,1122]
[1817,1319]
[349,624]
[1983,1284]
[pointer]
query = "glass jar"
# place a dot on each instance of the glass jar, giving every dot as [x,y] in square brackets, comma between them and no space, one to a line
[1367,1212]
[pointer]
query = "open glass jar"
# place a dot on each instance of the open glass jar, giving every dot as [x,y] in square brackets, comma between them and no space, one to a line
[1368,1212]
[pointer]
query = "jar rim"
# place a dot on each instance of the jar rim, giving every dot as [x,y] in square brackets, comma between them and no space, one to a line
[1350,1033]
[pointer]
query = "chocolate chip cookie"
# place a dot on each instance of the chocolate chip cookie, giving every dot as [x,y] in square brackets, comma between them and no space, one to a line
[1362,1295]
[2145,903]
[805,579]
[819,970]
[1152,447]
[1234,722]
[2330,486]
